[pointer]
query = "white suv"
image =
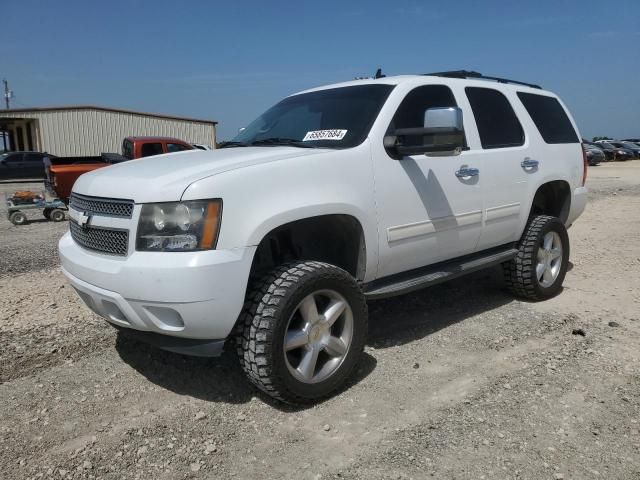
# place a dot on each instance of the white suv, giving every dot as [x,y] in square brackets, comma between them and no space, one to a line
[332,197]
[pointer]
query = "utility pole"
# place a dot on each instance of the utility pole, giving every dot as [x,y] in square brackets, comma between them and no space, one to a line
[7,93]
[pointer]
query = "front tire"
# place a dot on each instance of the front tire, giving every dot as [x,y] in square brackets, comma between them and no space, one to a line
[539,268]
[302,331]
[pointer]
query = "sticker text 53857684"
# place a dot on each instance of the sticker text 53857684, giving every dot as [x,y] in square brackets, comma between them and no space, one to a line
[324,135]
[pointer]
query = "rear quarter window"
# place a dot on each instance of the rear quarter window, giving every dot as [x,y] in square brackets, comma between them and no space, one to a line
[549,117]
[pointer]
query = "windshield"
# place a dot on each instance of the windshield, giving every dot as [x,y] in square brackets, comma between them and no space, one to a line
[333,118]
[605,145]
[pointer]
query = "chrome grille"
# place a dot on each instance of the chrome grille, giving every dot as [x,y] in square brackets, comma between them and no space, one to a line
[108,207]
[100,239]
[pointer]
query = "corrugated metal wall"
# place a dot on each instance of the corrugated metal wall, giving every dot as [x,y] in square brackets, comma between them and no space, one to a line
[91,132]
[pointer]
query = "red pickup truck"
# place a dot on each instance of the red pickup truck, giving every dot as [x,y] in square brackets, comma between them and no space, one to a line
[62,172]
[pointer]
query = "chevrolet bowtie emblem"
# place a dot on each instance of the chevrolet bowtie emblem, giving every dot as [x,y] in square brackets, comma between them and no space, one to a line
[83,219]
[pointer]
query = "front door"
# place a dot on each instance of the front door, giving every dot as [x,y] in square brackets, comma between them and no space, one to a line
[429,207]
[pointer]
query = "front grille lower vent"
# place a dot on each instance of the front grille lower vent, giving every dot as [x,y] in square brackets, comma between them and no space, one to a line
[100,239]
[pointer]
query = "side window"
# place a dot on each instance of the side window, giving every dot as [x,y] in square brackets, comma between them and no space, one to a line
[410,113]
[498,125]
[550,118]
[150,149]
[13,159]
[33,158]
[176,147]
[127,149]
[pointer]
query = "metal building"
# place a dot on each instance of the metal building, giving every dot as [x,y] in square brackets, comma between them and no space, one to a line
[91,130]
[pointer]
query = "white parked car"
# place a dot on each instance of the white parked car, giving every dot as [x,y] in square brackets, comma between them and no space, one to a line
[334,196]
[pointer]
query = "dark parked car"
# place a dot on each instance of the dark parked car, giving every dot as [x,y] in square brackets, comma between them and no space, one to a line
[634,147]
[594,154]
[619,153]
[20,165]
[609,151]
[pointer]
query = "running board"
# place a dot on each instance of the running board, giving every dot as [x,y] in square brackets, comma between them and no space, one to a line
[406,282]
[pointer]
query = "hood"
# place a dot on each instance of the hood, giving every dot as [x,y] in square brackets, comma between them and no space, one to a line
[164,178]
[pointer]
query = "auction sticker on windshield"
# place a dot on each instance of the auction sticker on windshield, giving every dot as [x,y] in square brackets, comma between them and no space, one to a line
[324,135]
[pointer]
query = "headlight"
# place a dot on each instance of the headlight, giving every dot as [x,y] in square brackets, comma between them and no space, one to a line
[179,226]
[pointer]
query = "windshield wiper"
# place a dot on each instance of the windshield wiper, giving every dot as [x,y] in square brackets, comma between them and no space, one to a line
[231,144]
[282,141]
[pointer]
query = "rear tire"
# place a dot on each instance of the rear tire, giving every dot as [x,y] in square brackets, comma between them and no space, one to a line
[56,215]
[539,268]
[302,331]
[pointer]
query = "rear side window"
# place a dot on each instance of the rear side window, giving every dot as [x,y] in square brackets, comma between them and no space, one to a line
[550,118]
[498,124]
[176,147]
[150,149]
[33,157]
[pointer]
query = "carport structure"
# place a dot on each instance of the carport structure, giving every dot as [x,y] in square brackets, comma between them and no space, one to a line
[19,133]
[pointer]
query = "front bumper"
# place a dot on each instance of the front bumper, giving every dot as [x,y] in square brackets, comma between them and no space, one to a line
[189,295]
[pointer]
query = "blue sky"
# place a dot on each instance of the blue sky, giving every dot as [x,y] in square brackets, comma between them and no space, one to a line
[229,61]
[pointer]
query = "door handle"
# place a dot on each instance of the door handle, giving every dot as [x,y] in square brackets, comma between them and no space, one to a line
[465,172]
[529,163]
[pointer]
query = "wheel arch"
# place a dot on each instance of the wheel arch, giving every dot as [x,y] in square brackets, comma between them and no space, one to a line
[335,238]
[552,198]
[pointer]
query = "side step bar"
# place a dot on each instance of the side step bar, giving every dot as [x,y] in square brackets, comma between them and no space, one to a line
[406,282]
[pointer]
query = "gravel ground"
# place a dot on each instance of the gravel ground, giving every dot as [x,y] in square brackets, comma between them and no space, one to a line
[458,381]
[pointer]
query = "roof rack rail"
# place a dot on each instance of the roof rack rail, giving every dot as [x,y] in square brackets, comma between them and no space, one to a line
[478,75]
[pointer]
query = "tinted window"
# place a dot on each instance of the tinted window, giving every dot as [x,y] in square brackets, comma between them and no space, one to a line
[348,112]
[13,158]
[550,118]
[149,149]
[127,149]
[410,113]
[176,147]
[498,124]
[33,157]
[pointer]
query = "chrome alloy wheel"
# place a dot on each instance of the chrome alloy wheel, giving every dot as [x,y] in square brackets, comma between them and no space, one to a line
[318,336]
[549,259]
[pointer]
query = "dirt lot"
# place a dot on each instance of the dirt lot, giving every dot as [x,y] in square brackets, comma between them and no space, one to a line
[458,381]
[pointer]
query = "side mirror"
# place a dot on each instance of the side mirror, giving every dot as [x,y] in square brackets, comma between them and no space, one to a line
[443,132]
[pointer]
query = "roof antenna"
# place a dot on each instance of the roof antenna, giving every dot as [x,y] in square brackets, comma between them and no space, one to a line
[379,74]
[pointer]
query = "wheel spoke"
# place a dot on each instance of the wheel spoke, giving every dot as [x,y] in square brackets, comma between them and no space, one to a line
[335,347]
[307,366]
[547,276]
[540,269]
[556,253]
[308,309]
[541,255]
[333,312]
[295,339]
[548,241]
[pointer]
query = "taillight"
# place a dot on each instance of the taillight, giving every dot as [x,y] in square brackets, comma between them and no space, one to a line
[585,164]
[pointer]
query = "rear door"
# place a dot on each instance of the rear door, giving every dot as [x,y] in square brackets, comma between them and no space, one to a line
[505,153]
[34,165]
